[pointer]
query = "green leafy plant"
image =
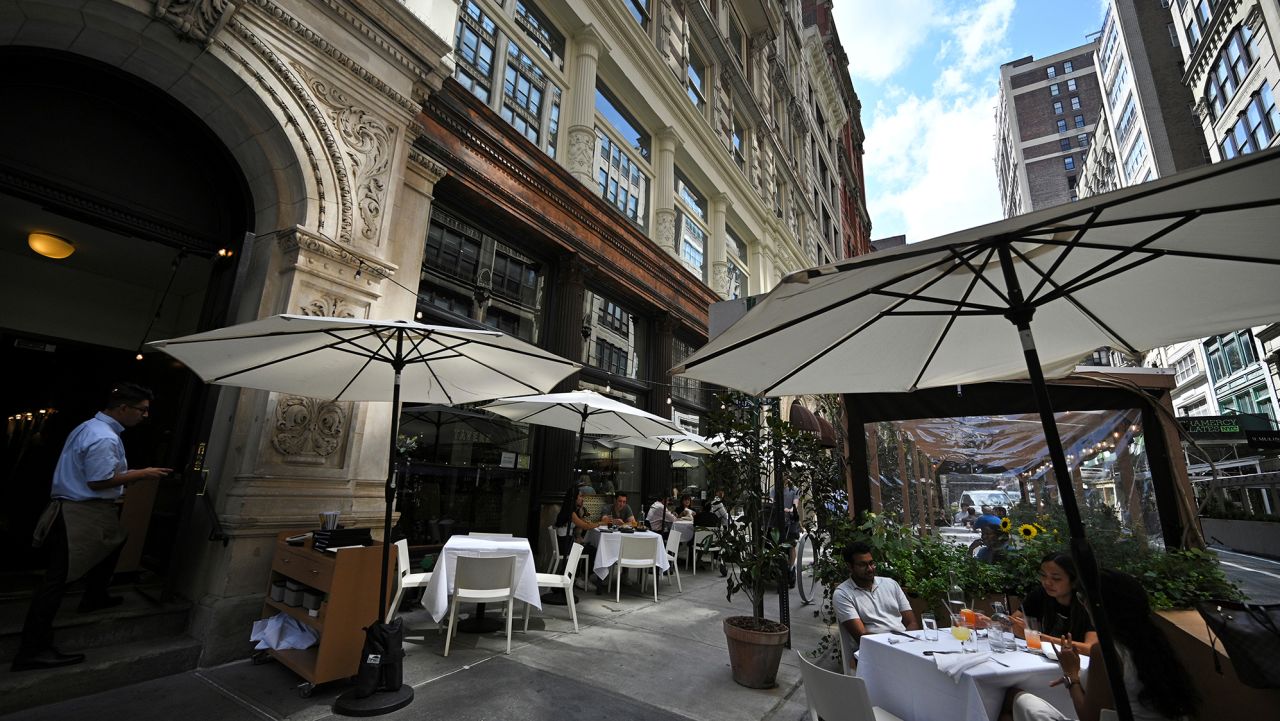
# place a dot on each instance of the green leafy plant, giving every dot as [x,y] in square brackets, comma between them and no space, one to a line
[755,447]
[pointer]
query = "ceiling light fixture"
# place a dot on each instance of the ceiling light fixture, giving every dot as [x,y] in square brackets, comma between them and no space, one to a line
[50,246]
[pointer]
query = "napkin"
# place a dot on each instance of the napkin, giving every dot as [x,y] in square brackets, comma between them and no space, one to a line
[954,665]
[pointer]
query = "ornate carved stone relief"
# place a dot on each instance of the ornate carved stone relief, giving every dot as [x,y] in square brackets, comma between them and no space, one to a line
[199,20]
[665,229]
[369,143]
[720,278]
[582,147]
[309,431]
[329,305]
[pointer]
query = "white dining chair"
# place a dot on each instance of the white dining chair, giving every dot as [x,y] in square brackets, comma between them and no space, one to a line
[673,560]
[562,581]
[635,553]
[553,546]
[404,579]
[482,579]
[836,697]
[701,546]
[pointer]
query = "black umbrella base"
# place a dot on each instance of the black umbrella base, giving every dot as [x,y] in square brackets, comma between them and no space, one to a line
[381,702]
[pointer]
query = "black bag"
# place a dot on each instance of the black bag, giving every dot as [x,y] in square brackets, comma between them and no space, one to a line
[1250,635]
[381,660]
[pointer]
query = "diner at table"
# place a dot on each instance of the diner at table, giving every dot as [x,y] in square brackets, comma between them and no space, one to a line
[867,604]
[572,525]
[1054,609]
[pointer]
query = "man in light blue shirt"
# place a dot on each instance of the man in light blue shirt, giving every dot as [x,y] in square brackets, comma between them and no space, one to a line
[81,526]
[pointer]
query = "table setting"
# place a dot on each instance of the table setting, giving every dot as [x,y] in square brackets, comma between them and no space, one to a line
[949,677]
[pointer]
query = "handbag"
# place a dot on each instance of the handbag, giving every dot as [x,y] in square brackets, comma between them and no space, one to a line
[1250,634]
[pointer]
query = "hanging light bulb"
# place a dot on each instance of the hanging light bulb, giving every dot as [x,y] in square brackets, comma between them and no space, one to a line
[418,315]
[138,357]
[668,400]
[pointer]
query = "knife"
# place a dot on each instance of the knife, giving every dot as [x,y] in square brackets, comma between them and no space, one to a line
[903,633]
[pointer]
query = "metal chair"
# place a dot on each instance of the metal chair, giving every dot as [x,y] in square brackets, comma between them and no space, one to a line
[483,579]
[836,697]
[635,553]
[562,581]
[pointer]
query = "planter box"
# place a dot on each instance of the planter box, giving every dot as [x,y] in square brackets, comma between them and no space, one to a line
[1222,696]
[1260,537]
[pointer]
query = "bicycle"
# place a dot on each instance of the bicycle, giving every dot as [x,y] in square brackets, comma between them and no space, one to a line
[808,550]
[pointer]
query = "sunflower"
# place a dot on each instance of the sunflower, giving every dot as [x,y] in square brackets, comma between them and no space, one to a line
[1005,525]
[1027,531]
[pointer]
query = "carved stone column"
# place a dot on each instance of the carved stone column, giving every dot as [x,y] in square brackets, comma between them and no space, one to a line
[564,338]
[717,253]
[587,45]
[665,142]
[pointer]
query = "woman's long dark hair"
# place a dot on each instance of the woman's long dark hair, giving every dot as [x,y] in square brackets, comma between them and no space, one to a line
[1077,612]
[1167,688]
[568,506]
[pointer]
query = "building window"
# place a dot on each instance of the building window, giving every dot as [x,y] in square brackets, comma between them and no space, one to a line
[620,180]
[452,253]
[737,138]
[1127,118]
[623,122]
[1065,144]
[1062,126]
[1136,157]
[540,30]
[1057,107]
[1053,89]
[737,252]
[1068,68]
[1256,400]
[1082,140]
[1193,35]
[515,278]
[737,41]
[1079,121]
[611,336]
[1173,34]
[1051,71]
[1071,85]
[1069,163]
[695,79]
[1198,407]
[475,40]
[1228,70]
[681,387]
[1075,103]
[523,86]
[693,237]
[1229,354]
[1185,368]
[1118,83]
[640,11]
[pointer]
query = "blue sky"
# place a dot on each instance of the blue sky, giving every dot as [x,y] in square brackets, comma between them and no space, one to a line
[927,72]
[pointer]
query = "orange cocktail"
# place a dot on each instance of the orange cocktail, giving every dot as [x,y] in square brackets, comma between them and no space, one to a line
[970,617]
[1033,640]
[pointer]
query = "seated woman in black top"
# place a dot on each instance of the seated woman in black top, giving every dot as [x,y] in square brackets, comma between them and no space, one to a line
[1054,606]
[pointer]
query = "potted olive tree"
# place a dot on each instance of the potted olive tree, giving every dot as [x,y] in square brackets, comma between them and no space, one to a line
[754,448]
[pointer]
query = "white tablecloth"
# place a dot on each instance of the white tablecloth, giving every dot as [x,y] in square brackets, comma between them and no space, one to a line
[684,529]
[903,681]
[609,545]
[436,597]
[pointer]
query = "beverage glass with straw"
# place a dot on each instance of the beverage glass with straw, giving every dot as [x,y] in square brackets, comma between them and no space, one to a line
[1032,634]
[963,632]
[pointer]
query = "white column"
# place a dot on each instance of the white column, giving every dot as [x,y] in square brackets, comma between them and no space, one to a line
[581,103]
[665,142]
[717,253]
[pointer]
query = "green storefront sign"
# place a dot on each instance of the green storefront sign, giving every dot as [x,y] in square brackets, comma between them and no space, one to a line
[1224,428]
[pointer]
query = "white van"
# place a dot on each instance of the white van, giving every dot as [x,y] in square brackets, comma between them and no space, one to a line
[991,498]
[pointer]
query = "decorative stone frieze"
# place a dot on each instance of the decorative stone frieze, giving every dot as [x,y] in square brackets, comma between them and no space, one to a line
[310,431]
[198,20]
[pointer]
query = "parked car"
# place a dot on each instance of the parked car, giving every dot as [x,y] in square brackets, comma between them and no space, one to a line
[990,498]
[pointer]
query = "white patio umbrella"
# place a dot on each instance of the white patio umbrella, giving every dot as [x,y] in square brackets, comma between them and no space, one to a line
[683,443]
[1183,257]
[586,412]
[350,359]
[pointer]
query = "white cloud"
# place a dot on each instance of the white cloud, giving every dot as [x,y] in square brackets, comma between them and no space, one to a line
[929,148]
[880,39]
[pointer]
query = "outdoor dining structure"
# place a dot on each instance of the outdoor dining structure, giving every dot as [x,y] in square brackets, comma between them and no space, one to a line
[1187,256]
[349,359]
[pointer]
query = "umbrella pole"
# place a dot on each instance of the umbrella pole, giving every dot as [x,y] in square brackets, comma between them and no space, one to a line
[582,435]
[1081,551]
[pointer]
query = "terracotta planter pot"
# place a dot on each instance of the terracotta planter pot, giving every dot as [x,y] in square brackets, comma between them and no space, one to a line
[754,655]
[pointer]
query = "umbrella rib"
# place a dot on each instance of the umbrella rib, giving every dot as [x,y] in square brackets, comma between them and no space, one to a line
[1140,247]
[819,311]
[416,346]
[368,359]
[870,321]
[940,301]
[942,336]
[479,340]
[1057,227]
[999,293]
[1081,306]
[1057,262]
[1167,252]
[488,366]
[336,345]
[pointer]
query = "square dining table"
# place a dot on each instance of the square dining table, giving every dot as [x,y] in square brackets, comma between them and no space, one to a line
[609,546]
[440,587]
[902,680]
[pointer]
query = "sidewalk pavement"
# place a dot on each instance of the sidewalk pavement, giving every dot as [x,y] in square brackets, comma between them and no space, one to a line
[662,661]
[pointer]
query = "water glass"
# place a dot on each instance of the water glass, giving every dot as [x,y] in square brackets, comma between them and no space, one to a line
[930,624]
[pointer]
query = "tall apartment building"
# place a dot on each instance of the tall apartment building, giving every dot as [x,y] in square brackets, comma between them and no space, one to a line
[586,176]
[1045,116]
[1148,129]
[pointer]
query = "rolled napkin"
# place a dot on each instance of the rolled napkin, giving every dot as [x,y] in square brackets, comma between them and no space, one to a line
[954,665]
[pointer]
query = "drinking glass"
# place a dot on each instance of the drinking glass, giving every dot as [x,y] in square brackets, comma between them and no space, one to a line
[930,624]
[1032,634]
[963,632]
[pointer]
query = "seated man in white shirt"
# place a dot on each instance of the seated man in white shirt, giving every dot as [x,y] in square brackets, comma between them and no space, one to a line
[867,603]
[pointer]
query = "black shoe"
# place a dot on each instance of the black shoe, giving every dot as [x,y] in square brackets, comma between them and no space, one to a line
[89,604]
[48,658]
[723,571]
